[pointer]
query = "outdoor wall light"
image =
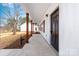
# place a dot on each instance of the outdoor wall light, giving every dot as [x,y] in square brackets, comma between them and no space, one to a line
[46,15]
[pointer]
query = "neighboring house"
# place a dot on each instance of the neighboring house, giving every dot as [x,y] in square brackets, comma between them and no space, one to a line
[23,27]
[36,28]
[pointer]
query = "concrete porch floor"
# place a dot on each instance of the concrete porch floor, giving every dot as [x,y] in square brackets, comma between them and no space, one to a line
[37,46]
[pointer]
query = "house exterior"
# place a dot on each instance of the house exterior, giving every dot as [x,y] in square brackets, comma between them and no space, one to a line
[23,27]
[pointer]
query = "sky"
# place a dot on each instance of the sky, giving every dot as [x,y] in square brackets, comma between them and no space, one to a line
[8,10]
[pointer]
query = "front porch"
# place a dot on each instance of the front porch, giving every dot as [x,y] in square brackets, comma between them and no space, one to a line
[37,47]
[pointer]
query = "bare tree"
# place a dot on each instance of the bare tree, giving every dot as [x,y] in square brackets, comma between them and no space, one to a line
[12,19]
[15,19]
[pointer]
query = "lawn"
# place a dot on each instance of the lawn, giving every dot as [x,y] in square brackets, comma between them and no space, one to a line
[7,39]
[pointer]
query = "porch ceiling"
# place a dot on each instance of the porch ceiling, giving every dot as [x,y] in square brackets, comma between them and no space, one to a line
[36,10]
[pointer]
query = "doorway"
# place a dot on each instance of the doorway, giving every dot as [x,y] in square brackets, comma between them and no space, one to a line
[55,29]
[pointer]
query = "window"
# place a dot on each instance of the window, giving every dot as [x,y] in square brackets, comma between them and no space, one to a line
[42,26]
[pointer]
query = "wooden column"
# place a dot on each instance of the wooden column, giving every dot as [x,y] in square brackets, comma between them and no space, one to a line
[27,28]
[31,27]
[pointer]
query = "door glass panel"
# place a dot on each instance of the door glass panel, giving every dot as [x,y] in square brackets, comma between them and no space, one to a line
[53,28]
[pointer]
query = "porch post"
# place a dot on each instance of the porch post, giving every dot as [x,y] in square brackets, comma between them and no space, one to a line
[31,27]
[27,28]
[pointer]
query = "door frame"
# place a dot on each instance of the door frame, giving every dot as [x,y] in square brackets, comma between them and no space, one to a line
[51,26]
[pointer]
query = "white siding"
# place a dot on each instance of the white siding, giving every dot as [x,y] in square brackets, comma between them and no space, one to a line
[69,29]
[23,27]
[51,8]
[35,26]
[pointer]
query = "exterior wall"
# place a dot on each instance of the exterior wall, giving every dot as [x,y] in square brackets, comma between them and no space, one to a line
[23,27]
[46,34]
[35,26]
[69,29]
[29,26]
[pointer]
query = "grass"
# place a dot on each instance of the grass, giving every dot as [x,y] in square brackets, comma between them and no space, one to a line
[8,38]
